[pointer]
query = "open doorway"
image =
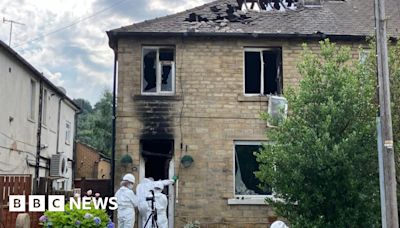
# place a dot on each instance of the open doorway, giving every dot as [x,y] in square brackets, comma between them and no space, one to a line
[157,161]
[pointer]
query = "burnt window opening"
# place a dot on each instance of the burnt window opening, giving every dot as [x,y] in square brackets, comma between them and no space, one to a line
[157,155]
[246,164]
[267,5]
[263,71]
[158,70]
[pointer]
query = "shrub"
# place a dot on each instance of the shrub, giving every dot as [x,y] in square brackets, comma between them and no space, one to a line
[322,163]
[77,218]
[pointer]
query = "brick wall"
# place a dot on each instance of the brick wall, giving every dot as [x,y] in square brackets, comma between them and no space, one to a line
[207,113]
[86,161]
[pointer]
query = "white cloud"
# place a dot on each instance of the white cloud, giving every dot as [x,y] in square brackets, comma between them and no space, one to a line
[78,57]
[175,6]
[55,78]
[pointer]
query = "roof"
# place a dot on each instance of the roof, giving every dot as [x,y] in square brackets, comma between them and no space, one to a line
[335,18]
[38,74]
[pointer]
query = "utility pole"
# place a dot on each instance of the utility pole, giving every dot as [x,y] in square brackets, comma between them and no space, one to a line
[11,26]
[389,213]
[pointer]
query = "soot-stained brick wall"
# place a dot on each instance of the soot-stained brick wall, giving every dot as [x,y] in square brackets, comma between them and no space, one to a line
[207,113]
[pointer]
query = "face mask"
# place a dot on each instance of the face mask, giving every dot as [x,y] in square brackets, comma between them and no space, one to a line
[130,186]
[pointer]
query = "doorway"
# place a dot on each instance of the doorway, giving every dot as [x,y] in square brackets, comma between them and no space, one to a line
[156,161]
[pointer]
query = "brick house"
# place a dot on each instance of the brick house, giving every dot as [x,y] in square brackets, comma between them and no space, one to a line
[194,83]
[90,163]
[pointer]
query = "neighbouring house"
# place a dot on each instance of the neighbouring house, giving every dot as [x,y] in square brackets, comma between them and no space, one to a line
[90,163]
[191,87]
[37,125]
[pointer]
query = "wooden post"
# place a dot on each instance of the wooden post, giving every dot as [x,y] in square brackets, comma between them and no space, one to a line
[390,219]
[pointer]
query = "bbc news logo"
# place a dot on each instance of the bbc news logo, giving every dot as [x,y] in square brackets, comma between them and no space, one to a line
[37,203]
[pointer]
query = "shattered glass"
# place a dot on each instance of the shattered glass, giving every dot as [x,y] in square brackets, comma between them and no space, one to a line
[166,77]
[149,70]
[245,165]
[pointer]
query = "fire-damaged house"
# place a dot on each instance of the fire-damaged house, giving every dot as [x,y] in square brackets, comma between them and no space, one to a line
[191,87]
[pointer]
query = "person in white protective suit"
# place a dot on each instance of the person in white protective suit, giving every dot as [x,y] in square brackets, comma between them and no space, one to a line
[160,204]
[127,201]
[278,224]
[142,191]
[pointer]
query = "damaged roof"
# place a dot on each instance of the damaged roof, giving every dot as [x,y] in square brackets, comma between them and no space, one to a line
[351,18]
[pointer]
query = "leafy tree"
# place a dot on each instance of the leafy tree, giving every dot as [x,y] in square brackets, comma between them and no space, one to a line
[95,124]
[394,69]
[102,123]
[394,72]
[322,164]
[85,105]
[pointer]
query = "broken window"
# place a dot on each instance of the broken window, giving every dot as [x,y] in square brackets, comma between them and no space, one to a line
[262,71]
[246,182]
[268,5]
[157,154]
[158,70]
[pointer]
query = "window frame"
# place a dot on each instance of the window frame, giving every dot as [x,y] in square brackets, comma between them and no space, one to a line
[45,106]
[247,143]
[68,131]
[32,100]
[158,64]
[260,50]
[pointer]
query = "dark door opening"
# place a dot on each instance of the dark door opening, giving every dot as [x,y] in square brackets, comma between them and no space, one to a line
[157,154]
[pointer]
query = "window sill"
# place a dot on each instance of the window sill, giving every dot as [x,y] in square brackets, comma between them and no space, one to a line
[247,201]
[143,97]
[252,98]
[31,120]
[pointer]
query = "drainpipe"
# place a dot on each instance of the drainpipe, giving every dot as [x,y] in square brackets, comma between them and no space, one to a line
[38,138]
[114,121]
[74,147]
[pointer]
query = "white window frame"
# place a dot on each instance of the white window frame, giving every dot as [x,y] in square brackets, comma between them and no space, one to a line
[68,131]
[260,50]
[32,100]
[158,71]
[45,106]
[246,199]
[363,55]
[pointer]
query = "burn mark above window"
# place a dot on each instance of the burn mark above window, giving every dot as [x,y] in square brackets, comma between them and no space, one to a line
[262,71]
[158,74]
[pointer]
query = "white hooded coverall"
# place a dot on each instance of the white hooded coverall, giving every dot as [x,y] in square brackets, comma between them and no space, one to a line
[127,201]
[143,191]
[161,204]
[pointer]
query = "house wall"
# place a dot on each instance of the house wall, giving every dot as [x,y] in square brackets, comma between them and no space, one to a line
[207,114]
[104,170]
[18,138]
[90,164]
[86,161]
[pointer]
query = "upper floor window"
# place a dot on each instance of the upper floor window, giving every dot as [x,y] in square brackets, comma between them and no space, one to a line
[158,70]
[68,133]
[32,100]
[262,71]
[45,101]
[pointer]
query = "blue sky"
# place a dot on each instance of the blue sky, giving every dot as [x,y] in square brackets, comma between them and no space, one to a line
[77,58]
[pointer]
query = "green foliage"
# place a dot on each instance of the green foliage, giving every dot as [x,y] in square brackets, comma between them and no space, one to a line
[322,164]
[394,72]
[77,218]
[394,69]
[95,124]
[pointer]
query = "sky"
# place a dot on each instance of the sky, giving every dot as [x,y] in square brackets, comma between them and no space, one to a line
[66,39]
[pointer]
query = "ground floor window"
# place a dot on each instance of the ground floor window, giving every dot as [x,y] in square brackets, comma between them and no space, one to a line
[245,165]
